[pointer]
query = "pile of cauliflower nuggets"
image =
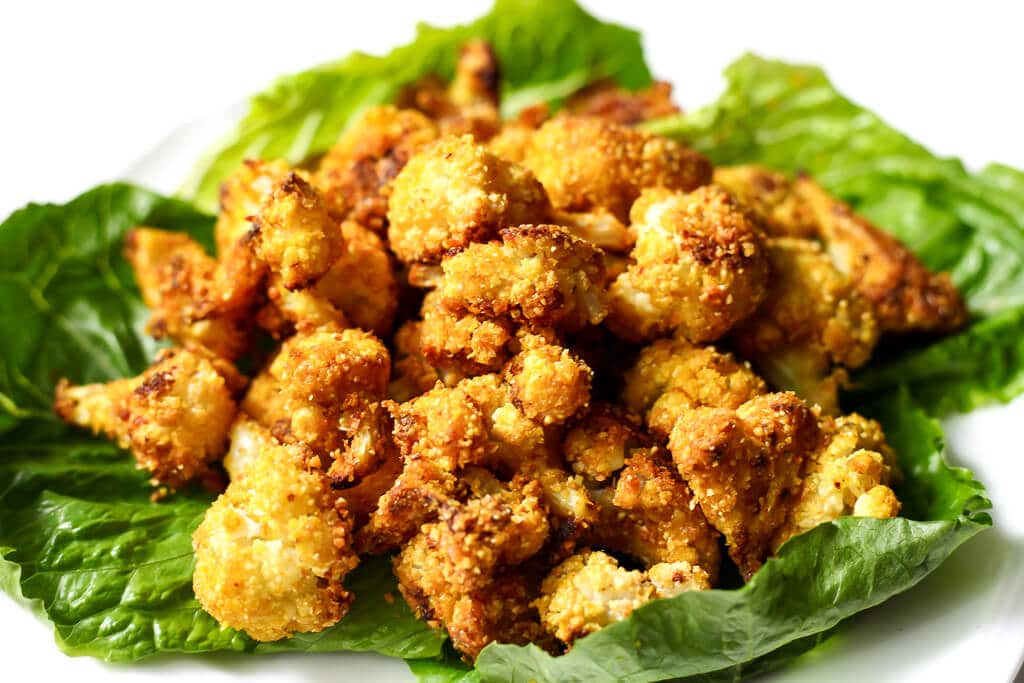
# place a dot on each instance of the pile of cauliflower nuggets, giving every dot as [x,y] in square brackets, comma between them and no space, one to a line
[496,365]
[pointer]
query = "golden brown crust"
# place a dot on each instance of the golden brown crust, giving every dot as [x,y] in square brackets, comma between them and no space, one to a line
[700,267]
[607,101]
[455,192]
[586,163]
[770,196]
[744,467]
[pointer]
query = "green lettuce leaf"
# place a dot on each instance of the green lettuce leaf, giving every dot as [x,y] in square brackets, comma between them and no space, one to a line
[547,49]
[791,118]
[818,579]
[80,541]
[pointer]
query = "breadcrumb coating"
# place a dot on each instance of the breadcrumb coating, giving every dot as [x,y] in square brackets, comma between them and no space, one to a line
[301,395]
[700,267]
[356,174]
[849,474]
[272,551]
[294,233]
[179,282]
[907,297]
[812,323]
[586,163]
[174,417]
[771,198]
[652,515]
[608,102]
[461,341]
[455,192]
[536,274]
[590,591]
[671,376]
[744,468]
[597,447]
[547,383]
[458,558]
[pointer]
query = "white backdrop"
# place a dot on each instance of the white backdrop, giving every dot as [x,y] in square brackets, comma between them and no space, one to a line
[86,88]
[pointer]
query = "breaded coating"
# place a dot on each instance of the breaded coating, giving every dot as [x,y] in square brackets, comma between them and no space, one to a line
[672,375]
[586,163]
[590,591]
[461,341]
[700,267]
[360,290]
[355,175]
[411,373]
[174,417]
[548,383]
[469,105]
[179,281]
[770,196]
[597,447]
[744,467]
[905,295]
[812,324]
[455,192]
[607,101]
[653,517]
[454,563]
[303,393]
[294,233]
[272,551]
[849,474]
[536,274]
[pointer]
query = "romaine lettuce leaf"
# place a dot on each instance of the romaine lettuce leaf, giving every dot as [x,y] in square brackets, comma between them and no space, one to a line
[80,540]
[547,50]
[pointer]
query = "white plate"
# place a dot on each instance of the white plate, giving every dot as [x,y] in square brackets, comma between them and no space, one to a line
[964,622]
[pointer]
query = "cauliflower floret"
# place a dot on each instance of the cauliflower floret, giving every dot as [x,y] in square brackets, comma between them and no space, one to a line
[547,383]
[272,551]
[180,283]
[456,192]
[673,375]
[849,473]
[536,274]
[651,515]
[412,373]
[608,102]
[294,233]
[700,267]
[811,321]
[744,468]
[599,227]
[458,340]
[771,198]
[455,562]
[305,391]
[174,417]
[586,163]
[598,446]
[590,591]
[514,137]
[356,174]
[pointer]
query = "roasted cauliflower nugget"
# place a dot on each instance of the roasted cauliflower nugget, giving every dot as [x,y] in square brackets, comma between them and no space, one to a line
[548,383]
[770,196]
[294,233]
[744,468]
[355,175]
[590,591]
[536,274]
[462,341]
[905,295]
[597,447]
[673,375]
[652,516]
[412,373]
[849,474]
[700,267]
[586,163]
[812,324]
[456,192]
[174,417]
[272,551]
[301,395]
[178,280]
[454,562]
